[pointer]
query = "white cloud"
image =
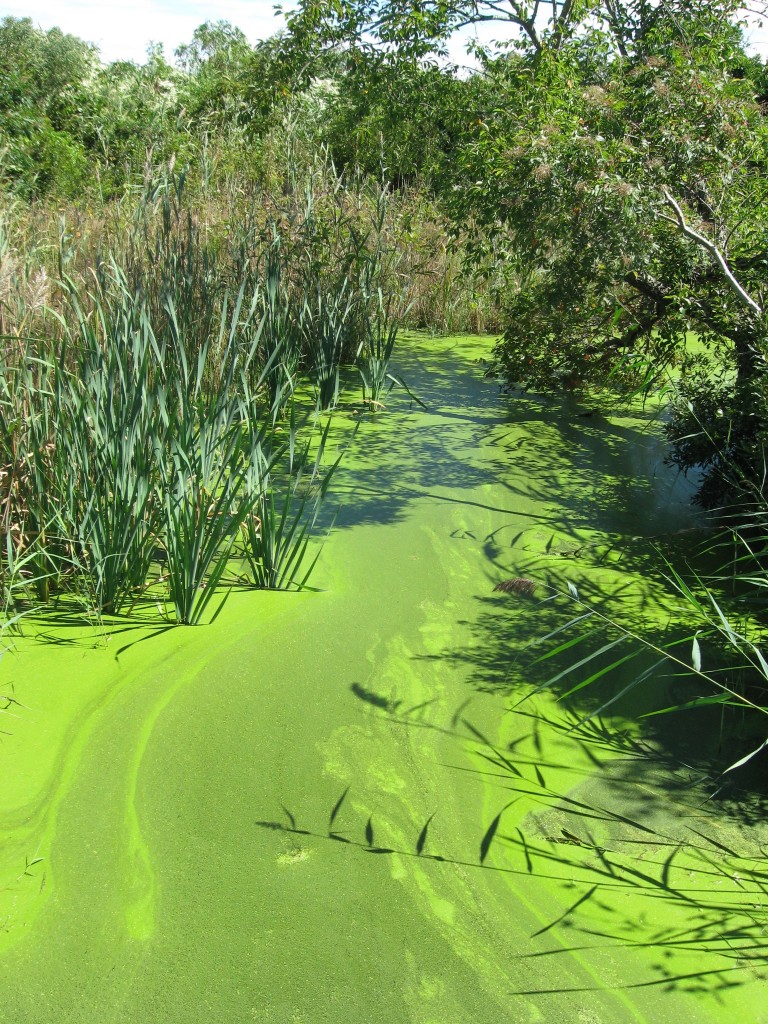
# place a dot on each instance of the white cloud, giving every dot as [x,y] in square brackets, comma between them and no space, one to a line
[123,30]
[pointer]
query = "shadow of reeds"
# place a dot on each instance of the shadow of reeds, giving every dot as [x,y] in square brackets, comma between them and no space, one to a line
[622,840]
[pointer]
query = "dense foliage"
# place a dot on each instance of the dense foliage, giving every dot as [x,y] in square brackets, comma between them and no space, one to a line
[601,172]
[618,158]
[69,123]
[186,245]
[633,191]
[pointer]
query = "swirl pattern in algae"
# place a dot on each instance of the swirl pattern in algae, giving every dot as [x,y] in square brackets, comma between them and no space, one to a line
[320,807]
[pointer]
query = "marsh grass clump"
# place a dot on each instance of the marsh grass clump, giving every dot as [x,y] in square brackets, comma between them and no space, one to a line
[323,322]
[280,349]
[275,536]
[156,346]
[122,442]
[274,540]
[108,430]
[203,468]
[381,327]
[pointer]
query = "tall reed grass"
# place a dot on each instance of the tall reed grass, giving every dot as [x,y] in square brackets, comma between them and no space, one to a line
[127,433]
[153,349]
[718,645]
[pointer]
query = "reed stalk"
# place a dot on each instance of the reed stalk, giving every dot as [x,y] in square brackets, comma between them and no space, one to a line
[276,535]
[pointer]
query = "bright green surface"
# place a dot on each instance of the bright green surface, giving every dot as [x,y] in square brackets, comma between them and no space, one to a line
[158,780]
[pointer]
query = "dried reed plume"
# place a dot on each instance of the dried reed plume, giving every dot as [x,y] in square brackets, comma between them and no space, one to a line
[519,585]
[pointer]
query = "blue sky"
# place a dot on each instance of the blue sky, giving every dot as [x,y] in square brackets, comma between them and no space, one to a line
[122,29]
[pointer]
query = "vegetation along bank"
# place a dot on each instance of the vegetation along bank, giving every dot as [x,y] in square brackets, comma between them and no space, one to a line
[435,398]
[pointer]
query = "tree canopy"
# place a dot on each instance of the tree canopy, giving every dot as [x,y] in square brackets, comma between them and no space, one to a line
[421,27]
[610,155]
[619,160]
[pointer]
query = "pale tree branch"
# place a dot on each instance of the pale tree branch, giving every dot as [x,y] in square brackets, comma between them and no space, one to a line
[710,247]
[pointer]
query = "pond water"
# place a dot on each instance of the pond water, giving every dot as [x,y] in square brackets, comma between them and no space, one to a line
[330,806]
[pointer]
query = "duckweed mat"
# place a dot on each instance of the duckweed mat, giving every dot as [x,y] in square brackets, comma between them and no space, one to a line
[331,806]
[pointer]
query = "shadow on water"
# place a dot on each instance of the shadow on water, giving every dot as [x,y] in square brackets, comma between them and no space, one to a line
[577,501]
[386,480]
[627,874]
[67,622]
[629,825]
[536,638]
[535,453]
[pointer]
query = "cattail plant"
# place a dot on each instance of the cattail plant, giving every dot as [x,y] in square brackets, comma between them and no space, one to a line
[323,322]
[108,430]
[214,448]
[29,483]
[280,349]
[276,535]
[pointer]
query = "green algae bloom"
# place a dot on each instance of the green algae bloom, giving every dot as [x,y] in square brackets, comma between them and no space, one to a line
[321,807]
